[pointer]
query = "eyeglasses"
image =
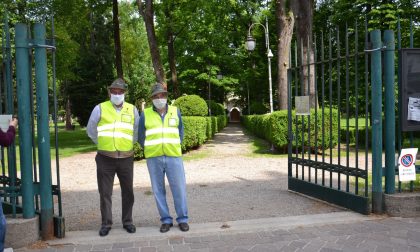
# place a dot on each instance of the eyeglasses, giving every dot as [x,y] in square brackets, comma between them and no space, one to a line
[116,91]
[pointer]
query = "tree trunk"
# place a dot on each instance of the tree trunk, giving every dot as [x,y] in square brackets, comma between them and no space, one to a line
[117,39]
[147,14]
[285,22]
[303,10]
[171,52]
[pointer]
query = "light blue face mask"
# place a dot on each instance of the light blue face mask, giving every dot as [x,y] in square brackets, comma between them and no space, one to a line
[159,103]
[117,99]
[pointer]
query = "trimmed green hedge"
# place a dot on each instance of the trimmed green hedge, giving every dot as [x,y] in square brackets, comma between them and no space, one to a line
[216,108]
[273,127]
[191,105]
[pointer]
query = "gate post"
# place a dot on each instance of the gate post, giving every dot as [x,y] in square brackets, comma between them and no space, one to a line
[389,74]
[25,119]
[47,228]
[376,80]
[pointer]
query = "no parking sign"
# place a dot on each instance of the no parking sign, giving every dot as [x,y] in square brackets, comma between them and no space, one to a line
[406,164]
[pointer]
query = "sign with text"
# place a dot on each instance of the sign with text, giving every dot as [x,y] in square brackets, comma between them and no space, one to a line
[406,164]
[302,105]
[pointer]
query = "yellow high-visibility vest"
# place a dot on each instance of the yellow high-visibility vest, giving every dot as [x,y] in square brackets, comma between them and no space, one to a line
[115,129]
[162,137]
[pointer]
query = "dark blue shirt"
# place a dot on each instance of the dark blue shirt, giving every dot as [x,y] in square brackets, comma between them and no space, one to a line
[142,126]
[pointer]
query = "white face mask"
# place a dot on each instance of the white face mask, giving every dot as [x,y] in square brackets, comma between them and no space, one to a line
[159,103]
[117,99]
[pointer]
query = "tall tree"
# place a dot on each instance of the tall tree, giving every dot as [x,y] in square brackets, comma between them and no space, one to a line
[146,11]
[303,10]
[117,39]
[285,22]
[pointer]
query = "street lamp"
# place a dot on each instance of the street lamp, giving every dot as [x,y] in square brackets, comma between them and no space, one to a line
[250,46]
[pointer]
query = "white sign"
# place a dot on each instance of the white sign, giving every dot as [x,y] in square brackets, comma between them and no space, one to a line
[406,164]
[4,122]
[413,109]
[302,105]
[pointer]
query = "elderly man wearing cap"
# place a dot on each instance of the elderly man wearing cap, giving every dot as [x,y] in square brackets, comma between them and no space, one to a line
[113,126]
[160,134]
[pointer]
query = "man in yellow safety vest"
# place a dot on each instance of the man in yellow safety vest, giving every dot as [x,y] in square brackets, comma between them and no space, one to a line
[113,126]
[160,135]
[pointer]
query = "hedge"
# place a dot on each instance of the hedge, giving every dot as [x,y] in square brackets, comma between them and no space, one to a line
[191,105]
[274,128]
[216,108]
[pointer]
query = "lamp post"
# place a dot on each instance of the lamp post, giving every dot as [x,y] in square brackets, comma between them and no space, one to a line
[250,46]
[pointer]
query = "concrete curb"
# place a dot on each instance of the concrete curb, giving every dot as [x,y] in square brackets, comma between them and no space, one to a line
[117,234]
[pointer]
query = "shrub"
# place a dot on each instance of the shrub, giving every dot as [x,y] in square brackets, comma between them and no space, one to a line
[194,132]
[274,128]
[216,108]
[191,105]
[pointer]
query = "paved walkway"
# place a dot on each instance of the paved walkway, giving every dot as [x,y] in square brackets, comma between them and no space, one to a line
[340,231]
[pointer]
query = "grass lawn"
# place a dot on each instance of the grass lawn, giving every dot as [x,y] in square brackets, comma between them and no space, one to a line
[70,142]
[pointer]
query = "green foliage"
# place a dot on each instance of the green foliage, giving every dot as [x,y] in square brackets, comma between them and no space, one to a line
[274,128]
[258,108]
[216,108]
[138,151]
[191,105]
[194,132]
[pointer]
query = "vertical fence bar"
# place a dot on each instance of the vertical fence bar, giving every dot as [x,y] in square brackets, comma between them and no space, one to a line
[47,228]
[57,156]
[347,107]
[389,76]
[376,79]
[399,142]
[330,100]
[9,109]
[323,105]
[339,106]
[25,140]
[411,132]
[302,92]
[366,108]
[356,95]
[308,53]
[316,109]
[296,116]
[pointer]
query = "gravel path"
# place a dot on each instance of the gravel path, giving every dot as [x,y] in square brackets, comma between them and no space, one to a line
[227,184]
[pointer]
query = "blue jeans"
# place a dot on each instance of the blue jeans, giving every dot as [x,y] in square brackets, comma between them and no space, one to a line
[2,227]
[173,167]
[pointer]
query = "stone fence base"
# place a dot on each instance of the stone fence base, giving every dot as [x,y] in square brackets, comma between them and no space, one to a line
[21,232]
[402,204]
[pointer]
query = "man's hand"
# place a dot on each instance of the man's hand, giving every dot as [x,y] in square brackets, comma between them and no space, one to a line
[13,122]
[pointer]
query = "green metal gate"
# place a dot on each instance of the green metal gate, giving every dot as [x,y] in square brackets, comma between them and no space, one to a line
[330,152]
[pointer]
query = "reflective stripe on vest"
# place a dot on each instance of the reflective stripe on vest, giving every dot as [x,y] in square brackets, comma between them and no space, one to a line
[162,137]
[115,129]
